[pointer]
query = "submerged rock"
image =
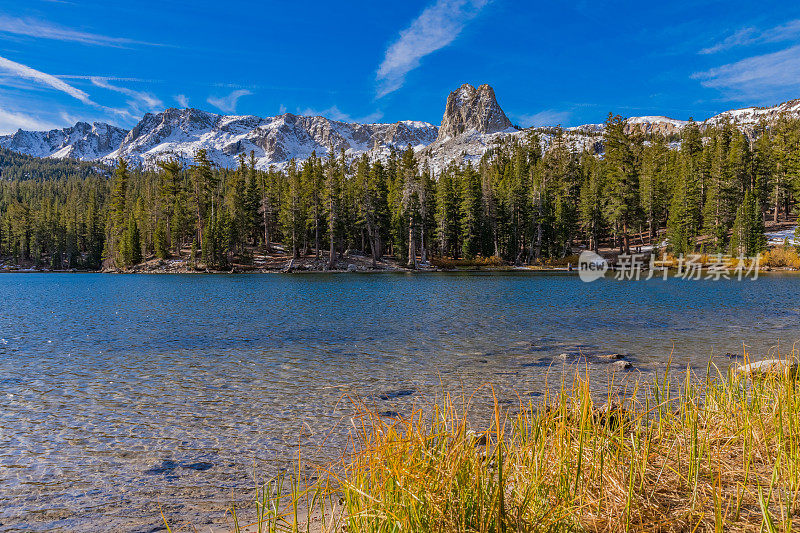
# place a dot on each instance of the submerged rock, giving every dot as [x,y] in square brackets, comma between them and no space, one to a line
[400,393]
[581,354]
[622,365]
[169,466]
[202,466]
[769,367]
[165,467]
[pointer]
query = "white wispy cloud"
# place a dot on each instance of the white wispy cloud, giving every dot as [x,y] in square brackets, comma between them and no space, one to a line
[14,116]
[334,113]
[228,103]
[787,31]
[11,121]
[739,38]
[107,78]
[68,118]
[182,100]
[41,29]
[139,98]
[548,117]
[28,73]
[435,28]
[761,78]
[11,81]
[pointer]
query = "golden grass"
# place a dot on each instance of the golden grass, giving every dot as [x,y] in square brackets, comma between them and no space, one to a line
[449,263]
[561,261]
[705,260]
[712,453]
[782,257]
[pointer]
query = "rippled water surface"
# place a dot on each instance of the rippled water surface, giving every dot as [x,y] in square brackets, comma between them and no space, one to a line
[123,393]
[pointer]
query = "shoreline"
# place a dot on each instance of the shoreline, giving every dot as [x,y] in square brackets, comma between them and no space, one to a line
[175,266]
[776,259]
[392,270]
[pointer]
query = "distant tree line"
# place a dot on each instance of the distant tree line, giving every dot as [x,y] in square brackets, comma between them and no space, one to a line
[16,166]
[518,203]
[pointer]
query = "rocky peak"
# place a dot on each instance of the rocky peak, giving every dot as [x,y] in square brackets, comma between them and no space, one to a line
[469,108]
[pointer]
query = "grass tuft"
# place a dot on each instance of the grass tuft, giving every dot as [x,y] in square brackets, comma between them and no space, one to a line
[718,452]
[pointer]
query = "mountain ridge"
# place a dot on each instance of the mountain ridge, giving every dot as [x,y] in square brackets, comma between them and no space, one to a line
[471,123]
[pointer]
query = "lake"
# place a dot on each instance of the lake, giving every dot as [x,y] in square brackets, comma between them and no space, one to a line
[121,393]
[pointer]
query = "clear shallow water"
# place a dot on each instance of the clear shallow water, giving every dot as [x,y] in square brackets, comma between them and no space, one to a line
[120,393]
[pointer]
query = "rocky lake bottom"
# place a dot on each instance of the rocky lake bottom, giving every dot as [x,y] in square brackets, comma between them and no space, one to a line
[125,393]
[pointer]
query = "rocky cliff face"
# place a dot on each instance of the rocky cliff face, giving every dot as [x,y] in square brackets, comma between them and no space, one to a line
[655,125]
[472,110]
[473,121]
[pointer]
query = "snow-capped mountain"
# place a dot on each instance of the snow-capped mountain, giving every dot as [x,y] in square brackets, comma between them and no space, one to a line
[472,122]
[751,116]
[179,133]
[87,142]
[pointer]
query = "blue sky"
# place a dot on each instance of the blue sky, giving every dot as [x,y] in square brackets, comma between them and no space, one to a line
[549,62]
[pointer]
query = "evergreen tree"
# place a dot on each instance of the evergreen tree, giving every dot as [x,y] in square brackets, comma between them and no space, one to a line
[312,179]
[160,241]
[204,184]
[117,216]
[471,213]
[169,198]
[623,179]
[763,166]
[747,237]
[411,202]
[681,229]
[427,212]
[333,204]
[94,234]
[251,202]
[654,185]
[448,204]
[292,210]
[132,249]
[369,191]
[591,203]
[719,207]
